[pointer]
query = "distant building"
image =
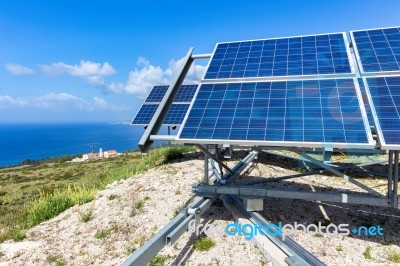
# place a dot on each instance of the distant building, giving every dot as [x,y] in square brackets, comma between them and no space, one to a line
[110,153]
[90,156]
[101,154]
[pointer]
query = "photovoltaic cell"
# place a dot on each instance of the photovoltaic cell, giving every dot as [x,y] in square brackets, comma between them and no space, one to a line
[305,112]
[385,96]
[308,55]
[156,94]
[177,110]
[145,114]
[185,94]
[378,50]
[175,115]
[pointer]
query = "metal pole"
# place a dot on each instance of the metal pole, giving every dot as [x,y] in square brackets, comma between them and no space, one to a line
[206,173]
[169,133]
[390,174]
[396,178]
[161,112]
[214,158]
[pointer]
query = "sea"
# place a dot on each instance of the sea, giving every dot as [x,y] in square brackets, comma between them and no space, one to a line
[19,142]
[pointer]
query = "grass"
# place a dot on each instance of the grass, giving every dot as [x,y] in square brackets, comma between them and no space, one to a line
[102,234]
[159,260]
[39,192]
[394,256]
[367,253]
[204,244]
[56,260]
[86,216]
[339,248]
[139,204]
[112,197]
[48,206]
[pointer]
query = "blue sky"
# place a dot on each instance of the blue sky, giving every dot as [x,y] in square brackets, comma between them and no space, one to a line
[87,61]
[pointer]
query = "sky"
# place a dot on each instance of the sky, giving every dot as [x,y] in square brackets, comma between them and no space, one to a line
[95,61]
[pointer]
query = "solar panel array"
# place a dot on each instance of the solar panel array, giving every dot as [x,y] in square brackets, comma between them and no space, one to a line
[298,91]
[175,114]
[282,111]
[385,97]
[378,50]
[308,55]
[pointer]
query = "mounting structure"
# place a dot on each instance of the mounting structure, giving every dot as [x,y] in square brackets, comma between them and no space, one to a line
[221,181]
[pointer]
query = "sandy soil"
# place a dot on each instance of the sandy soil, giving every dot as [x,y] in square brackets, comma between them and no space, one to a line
[163,190]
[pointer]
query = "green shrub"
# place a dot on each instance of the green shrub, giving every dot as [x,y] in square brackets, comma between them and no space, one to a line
[159,260]
[204,244]
[394,256]
[102,234]
[367,253]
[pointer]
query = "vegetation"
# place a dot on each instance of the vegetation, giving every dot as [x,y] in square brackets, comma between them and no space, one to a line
[367,253]
[112,197]
[339,248]
[56,260]
[204,244]
[394,256]
[159,260]
[102,234]
[32,194]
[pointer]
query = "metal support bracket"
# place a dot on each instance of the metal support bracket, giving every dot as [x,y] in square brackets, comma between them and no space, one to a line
[161,112]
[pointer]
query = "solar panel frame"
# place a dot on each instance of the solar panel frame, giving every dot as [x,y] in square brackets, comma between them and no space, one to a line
[381,137]
[282,143]
[352,63]
[358,57]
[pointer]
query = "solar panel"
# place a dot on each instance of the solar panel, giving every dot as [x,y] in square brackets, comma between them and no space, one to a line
[156,94]
[305,113]
[384,95]
[378,50]
[174,117]
[144,114]
[185,94]
[294,56]
[177,110]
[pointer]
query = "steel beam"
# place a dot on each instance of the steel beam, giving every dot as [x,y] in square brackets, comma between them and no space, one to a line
[345,177]
[205,151]
[161,112]
[262,192]
[146,252]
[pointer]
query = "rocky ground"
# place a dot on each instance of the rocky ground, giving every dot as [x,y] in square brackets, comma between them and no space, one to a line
[128,212]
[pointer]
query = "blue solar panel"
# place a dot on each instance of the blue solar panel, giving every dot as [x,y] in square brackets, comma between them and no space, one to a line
[305,113]
[378,50]
[145,114]
[156,94]
[308,55]
[184,94]
[385,97]
[177,111]
[175,115]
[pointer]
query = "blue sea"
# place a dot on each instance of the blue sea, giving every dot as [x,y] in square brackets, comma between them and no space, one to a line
[37,141]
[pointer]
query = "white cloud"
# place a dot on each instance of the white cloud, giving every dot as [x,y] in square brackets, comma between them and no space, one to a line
[7,101]
[145,76]
[60,101]
[92,73]
[19,70]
